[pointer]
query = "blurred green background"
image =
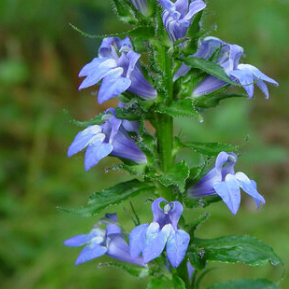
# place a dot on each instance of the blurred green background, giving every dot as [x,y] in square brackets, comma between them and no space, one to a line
[40,57]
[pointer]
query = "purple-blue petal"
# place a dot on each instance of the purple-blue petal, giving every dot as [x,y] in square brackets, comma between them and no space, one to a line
[158,213]
[119,249]
[90,252]
[208,85]
[82,139]
[249,187]
[229,191]
[94,153]
[140,86]
[175,213]
[137,239]
[125,147]
[245,78]
[155,241]
[78,240]
[113,85]
[95,74]
[177,246]
[195,7]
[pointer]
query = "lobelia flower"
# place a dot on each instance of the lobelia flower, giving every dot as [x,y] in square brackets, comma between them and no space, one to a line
[228,57]
[223,181]
[117,65]
[141,5]
[110,138]
[177,16]
[151,239]
[109,241]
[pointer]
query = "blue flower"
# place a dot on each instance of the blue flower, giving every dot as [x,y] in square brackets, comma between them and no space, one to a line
[151,239]
[117,65]
[177,16]
[141,5]
[109,241]
[223,181]
[110,138]
[228,57]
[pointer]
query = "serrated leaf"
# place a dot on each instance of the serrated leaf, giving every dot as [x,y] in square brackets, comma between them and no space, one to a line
[200,220]
[164,282]
[124,11]
[123,34]
[144,32]
[201,202]
[196,259]
[246,284]
[176,176]
[111,196]
[137,170]
[210,149]
[243,249]
[121,113]
[183,107]
[139,272]
[210,101]
[209,67]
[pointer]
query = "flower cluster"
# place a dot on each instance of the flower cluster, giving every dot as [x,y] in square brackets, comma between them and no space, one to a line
[228,57]
[117,65]
[148,239]
[109,241]
[223,181]
[177,16]
[110,138]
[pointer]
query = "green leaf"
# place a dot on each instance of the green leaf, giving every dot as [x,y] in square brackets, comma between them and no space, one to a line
[183,107]
[164,282]
[111,196]
[194,33]
[246,284]
[208,67]
[200,220]
[124,11]
[131,114]
[233,249]
[210,101]
[210,149]
[123,34]
[144,32]
[137,170]
[97,120]
[177,176]
[139,272]
[196,258]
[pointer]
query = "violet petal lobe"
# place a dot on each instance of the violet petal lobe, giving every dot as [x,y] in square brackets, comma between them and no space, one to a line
[230,193]
[78,240]
[155,241]
[90,252]
[249,188]
[94,153]
[113,84]
[137,239]
[177,246]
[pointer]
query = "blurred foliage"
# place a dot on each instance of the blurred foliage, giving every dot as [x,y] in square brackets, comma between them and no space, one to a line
[40,56]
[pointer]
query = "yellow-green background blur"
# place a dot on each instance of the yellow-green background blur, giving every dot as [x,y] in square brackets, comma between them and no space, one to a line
[40,57]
